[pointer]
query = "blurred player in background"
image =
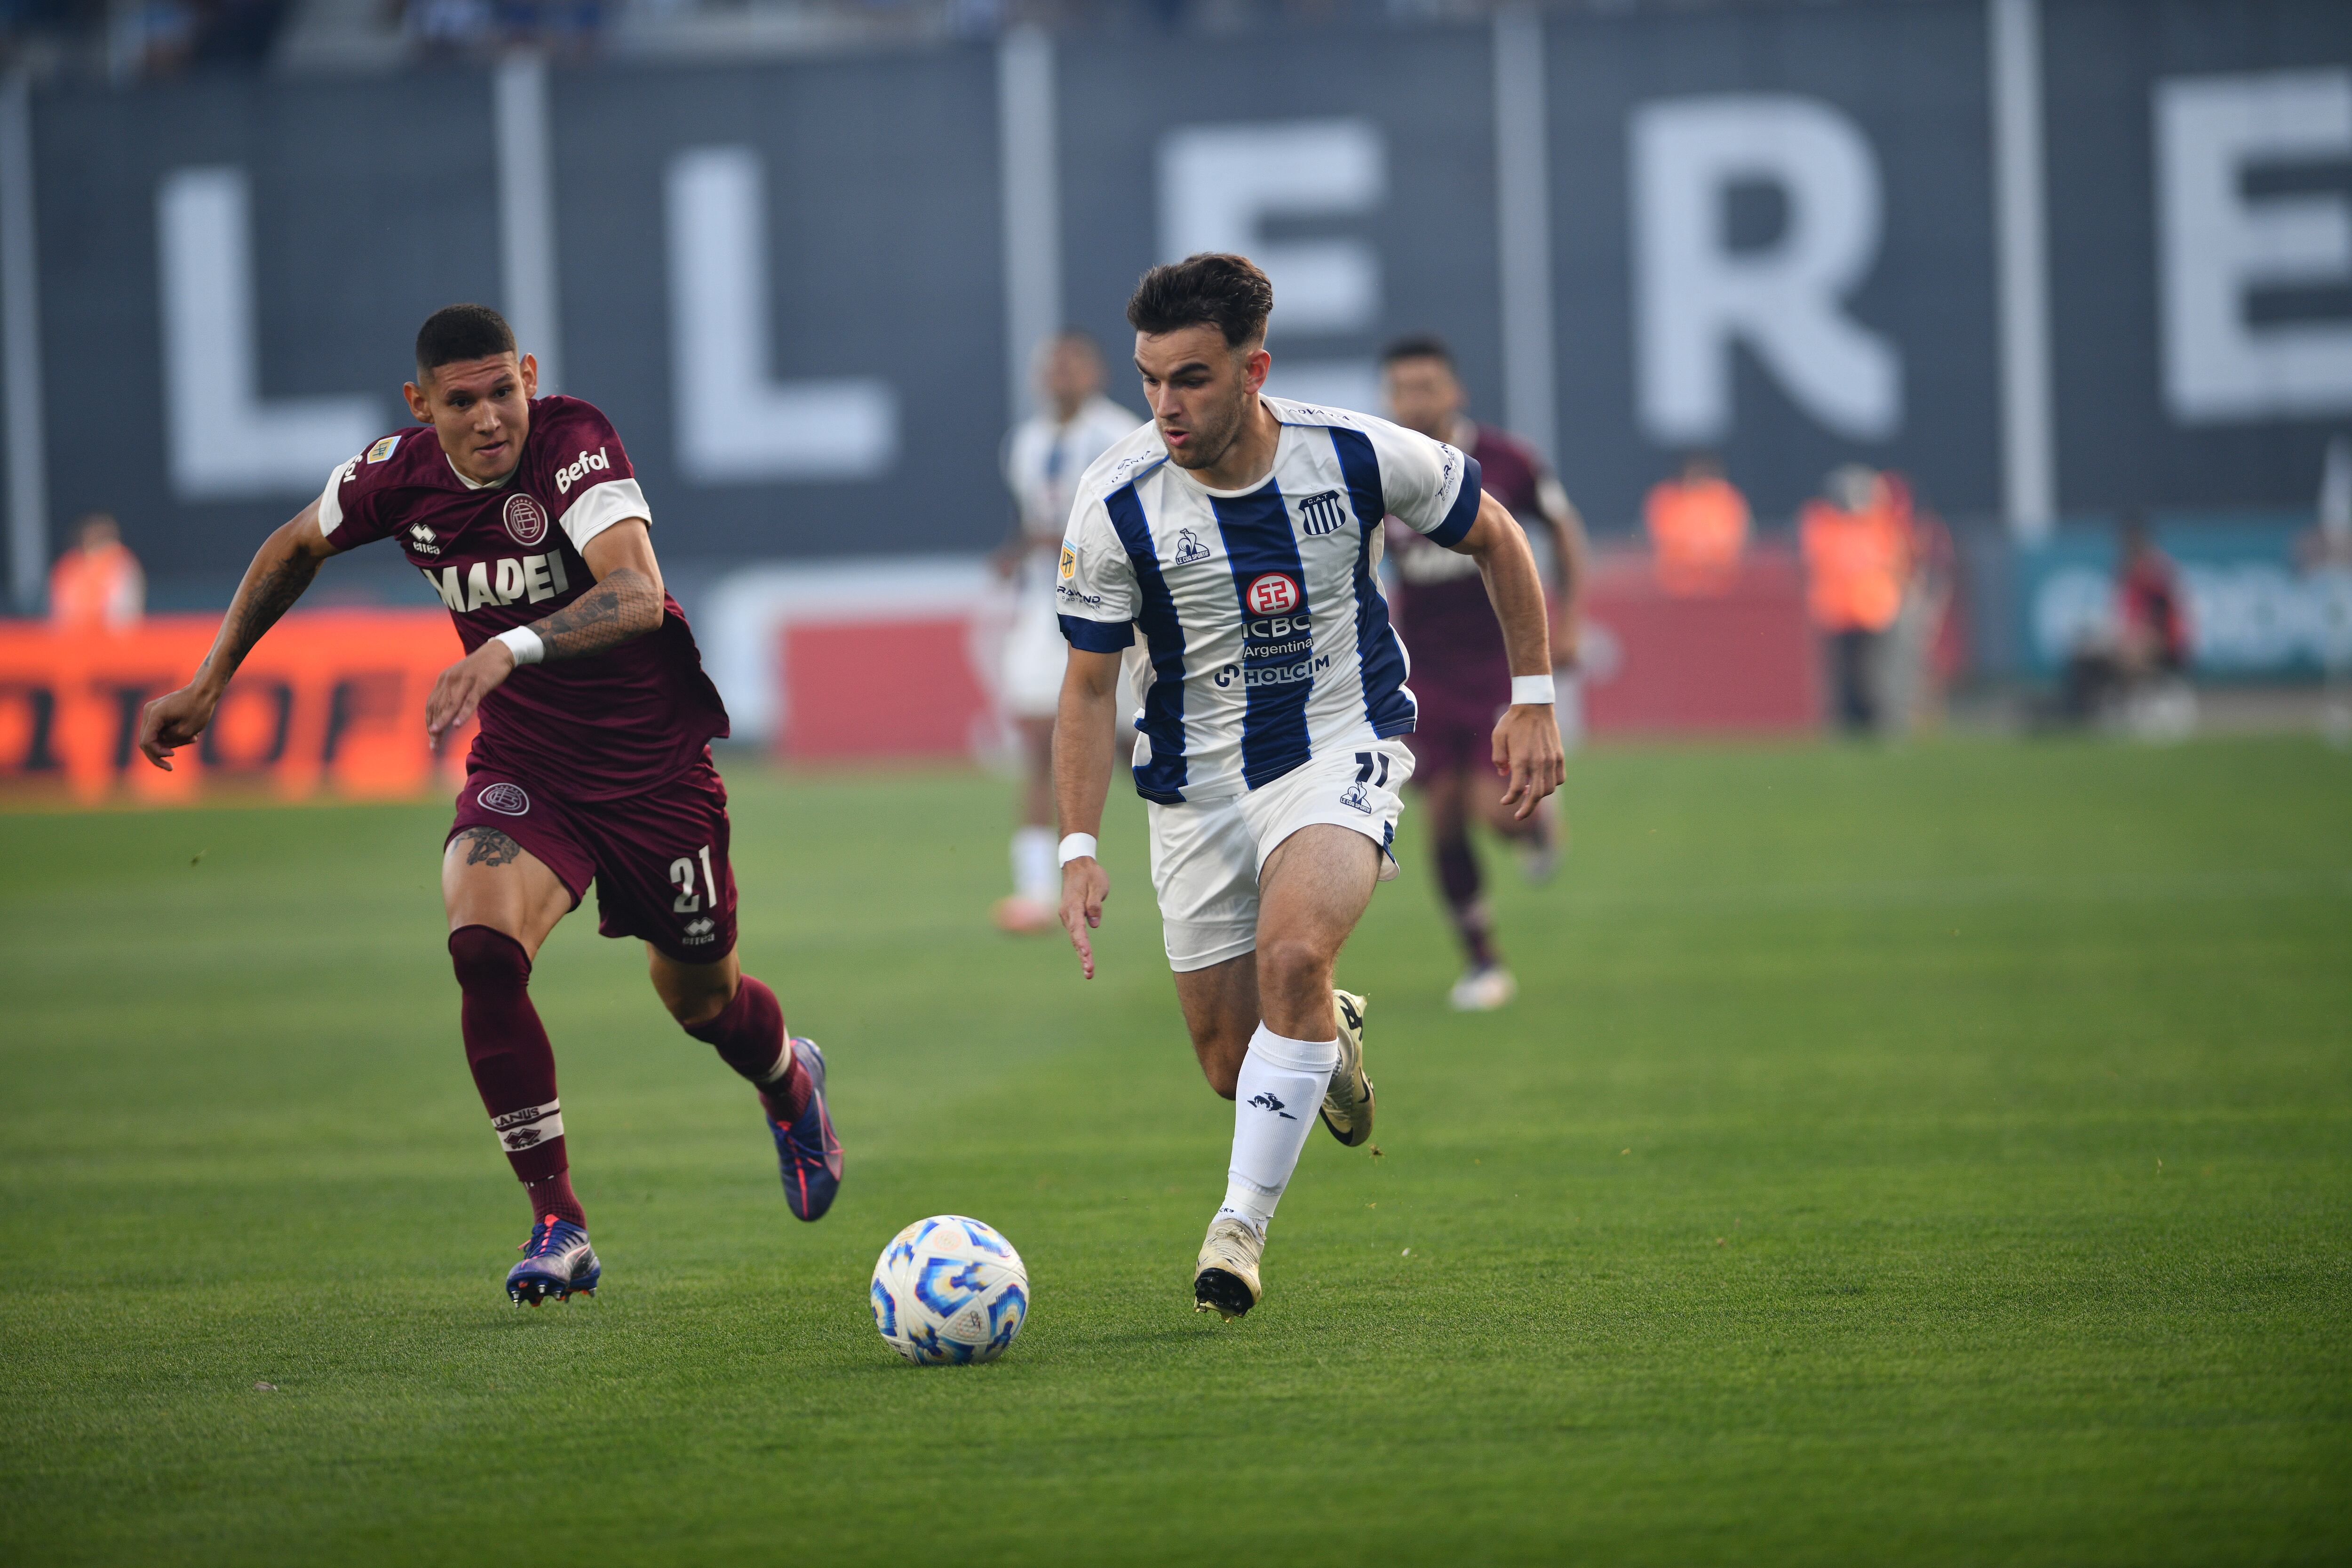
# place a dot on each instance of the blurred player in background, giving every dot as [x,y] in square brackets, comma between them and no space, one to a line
[1461,670]
[593,760]
[1044,456]
[96,585]
[1240,532]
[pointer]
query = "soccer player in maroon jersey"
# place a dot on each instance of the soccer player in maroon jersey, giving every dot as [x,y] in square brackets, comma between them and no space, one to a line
[1460,670]
[593,760]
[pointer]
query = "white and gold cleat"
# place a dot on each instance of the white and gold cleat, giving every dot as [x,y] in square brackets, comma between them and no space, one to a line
[1224,1281]
[1347,1106]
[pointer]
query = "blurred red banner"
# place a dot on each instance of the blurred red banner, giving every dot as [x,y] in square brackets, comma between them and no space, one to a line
[331,700]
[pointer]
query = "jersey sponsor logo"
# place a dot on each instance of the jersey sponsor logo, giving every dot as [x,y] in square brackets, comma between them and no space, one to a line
[1253,677]
[504,581]
[506,799]
[1070,595]
[1321,515]
[383,449]
[1272,594]
[348,472]
[579,468]
[526,519]
[1189,548]
[423,539]
[1069,561]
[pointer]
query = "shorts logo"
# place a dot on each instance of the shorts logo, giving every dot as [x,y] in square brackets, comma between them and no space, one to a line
[1354,798]
[1321,515]
[383,449]
[1189,548]
[700,929]
[1069,561]
[1272,594]
[526,519]
[506,799]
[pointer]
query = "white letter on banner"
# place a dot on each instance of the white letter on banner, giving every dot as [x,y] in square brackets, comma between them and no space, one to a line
[2218,245]
[1219,184]
[736,426]
[1694,295]
[226,441]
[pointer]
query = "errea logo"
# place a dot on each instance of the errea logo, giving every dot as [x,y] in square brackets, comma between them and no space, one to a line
[580,468]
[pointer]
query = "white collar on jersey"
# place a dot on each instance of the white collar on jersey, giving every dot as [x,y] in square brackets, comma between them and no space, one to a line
[482,484]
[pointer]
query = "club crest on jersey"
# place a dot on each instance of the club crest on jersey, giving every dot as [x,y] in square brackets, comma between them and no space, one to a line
[1321,515]
[383,449]
[1272,594]
[1189,547]
[1069,561]
[506,799]
[526,519]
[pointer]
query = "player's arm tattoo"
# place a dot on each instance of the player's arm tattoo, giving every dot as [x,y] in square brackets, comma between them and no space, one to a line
[488,847]
[267,594]
[624,604]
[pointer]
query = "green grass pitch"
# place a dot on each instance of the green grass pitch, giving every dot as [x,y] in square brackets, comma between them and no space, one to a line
[1938,1155]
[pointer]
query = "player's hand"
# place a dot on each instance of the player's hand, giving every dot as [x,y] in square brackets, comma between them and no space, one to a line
[1528,756]
[1085,886]
[461,688]
[172,721]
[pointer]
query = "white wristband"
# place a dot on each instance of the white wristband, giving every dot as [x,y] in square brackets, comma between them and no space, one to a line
[1531,689]
[524,644]
[1078,846]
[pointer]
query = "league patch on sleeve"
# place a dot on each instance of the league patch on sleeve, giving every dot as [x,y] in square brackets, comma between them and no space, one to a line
[383,449]
[1069,561]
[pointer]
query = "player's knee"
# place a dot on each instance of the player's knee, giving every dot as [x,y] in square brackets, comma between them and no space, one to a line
[1291,964]
[693,1009]
[487,960]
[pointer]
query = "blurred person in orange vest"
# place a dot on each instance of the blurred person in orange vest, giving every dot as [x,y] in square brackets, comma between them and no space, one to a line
[1698,528]
[96,585]
[1857,559]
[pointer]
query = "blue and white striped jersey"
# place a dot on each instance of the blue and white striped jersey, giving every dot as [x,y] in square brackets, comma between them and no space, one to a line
[1269,639]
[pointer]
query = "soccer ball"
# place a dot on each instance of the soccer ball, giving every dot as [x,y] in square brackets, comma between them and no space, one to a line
[948,1289]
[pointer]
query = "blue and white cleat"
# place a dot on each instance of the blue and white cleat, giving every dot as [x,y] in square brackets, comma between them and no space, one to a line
[808,1153]
[557,1261]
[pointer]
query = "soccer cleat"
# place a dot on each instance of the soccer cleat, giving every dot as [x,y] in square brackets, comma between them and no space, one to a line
[1019,916]
[808,1153]
[1348,1107]
[1483,990]
[1224,1281]
[557,1261]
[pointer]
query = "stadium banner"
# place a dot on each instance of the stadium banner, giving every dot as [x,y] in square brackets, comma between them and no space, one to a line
[2253,610]
[330,702]
[1769,232]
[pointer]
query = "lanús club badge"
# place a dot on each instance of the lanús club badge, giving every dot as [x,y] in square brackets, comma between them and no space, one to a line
[526,519]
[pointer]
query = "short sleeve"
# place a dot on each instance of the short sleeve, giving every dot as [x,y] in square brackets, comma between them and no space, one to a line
[593,480]
[1432,488]
[1094,586]
[348,512]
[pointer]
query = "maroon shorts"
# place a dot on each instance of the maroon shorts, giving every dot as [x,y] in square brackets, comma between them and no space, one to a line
[1454,734]
[658,859]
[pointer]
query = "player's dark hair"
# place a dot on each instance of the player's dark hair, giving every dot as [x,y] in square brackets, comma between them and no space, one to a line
[457,332]
[1227,292]
[1421,345]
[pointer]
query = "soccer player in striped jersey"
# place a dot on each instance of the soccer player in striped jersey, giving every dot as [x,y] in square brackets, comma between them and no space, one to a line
[1241,534]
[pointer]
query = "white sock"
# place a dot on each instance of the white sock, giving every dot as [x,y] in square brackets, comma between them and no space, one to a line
[1034,874]
[1276,1099]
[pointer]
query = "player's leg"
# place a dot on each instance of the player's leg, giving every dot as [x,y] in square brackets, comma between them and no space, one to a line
[1037,873]
[1221,1013]
[664,875]
[502,900]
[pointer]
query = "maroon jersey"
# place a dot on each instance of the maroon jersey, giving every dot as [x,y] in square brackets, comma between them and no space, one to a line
[1442,609]
[612,724]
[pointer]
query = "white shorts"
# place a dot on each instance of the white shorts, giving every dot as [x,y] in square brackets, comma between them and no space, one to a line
[1206,855]
[1029,678]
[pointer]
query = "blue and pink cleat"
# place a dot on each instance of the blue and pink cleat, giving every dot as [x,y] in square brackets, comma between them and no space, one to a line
[557,1261]
[808,1153]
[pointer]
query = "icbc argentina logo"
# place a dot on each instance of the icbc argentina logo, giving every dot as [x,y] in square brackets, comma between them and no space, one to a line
[526,519]
[1272,594]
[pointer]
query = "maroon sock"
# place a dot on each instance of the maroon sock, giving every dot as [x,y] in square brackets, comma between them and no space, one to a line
[1457,875]
[514,1066]
[749,1036]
